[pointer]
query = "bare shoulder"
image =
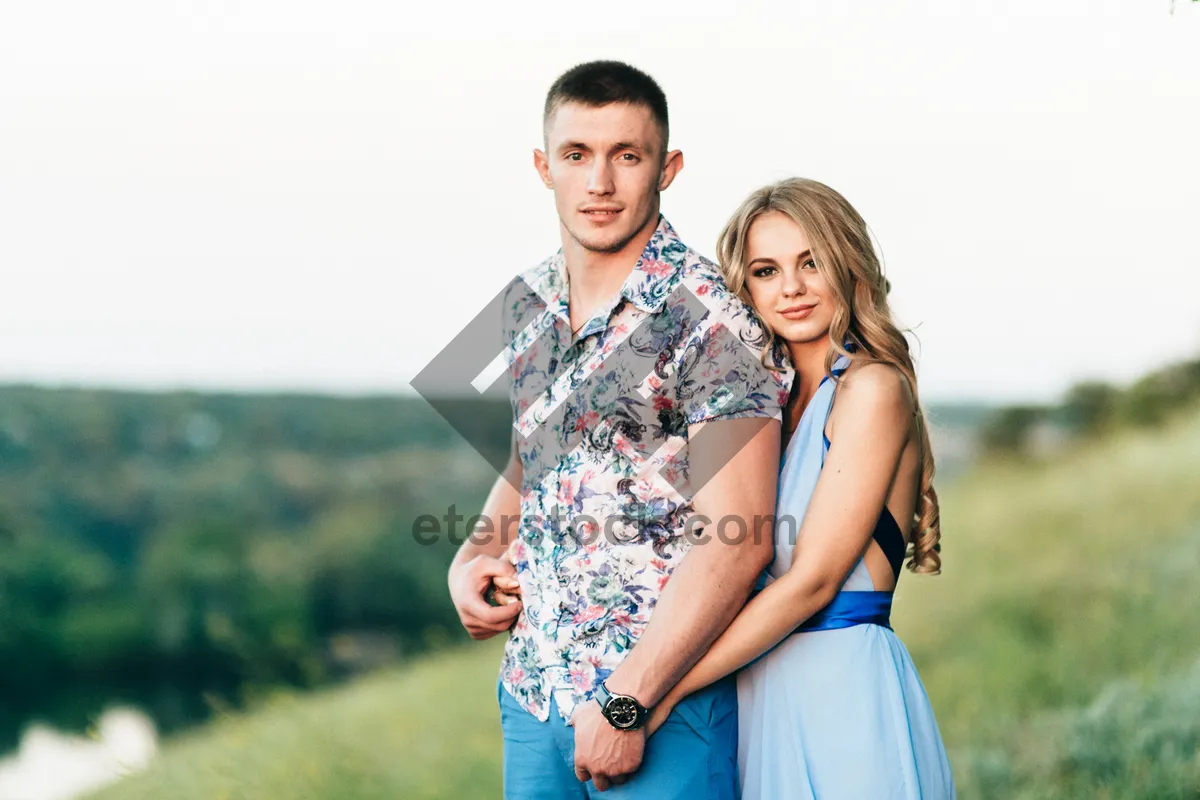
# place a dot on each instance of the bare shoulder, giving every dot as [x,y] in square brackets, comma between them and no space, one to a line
[875,390]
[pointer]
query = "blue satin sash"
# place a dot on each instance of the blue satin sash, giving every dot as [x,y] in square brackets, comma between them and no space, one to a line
[848,609]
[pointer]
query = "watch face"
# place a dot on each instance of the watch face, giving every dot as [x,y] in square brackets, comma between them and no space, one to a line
[622,712]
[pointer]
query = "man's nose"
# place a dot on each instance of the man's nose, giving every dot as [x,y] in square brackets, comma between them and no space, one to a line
[601,179]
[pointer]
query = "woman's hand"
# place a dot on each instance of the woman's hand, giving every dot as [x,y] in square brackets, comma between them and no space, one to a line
[504,590]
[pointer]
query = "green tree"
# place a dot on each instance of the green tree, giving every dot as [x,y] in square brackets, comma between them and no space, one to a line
[1007,431]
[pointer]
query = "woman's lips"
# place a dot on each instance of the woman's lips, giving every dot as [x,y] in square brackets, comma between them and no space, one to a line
[797,312]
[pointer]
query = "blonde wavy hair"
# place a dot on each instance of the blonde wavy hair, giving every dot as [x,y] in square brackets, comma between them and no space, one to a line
[862,327]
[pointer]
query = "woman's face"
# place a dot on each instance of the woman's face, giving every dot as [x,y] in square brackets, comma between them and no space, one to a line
[785,286]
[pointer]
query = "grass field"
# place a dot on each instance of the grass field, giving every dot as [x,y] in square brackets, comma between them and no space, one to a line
[1067,610]
[430,730]
[1060,648]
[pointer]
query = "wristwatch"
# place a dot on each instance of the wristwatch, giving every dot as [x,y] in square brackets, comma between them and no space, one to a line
[623,712]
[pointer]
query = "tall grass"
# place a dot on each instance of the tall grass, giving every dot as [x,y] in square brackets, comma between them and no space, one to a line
[1059,578]
[427,731]
[1132,741]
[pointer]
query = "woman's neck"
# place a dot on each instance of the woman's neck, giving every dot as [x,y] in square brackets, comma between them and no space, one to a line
[808,359]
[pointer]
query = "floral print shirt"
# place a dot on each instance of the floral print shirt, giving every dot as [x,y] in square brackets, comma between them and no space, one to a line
[602,422]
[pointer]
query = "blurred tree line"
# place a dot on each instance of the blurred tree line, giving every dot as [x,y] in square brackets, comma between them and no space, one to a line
[1090,409]
[253,538]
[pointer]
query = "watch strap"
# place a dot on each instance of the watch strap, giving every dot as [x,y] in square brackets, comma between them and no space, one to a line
[603,696]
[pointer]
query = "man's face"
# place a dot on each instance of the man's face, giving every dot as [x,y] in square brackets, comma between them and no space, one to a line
[606,167]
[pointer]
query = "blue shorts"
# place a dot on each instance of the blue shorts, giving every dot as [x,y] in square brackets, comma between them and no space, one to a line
[693,756]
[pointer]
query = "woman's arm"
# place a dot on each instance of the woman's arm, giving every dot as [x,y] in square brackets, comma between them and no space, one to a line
[873,425]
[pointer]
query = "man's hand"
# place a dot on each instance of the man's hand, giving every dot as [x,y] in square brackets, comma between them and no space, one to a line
[604,754]
[467,585]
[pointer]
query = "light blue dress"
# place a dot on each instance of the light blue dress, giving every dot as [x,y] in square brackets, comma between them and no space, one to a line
[835,713]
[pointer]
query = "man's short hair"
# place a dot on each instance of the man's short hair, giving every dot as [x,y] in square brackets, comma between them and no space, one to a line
[598,83]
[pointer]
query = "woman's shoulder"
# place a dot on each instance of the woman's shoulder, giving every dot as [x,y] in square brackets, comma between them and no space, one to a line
[873,391]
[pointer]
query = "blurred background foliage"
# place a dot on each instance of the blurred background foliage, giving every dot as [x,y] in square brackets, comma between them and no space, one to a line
[1091,409]
[217,543]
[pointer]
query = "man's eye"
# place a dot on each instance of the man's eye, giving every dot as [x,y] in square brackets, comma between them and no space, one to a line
[574,156]
[629,157]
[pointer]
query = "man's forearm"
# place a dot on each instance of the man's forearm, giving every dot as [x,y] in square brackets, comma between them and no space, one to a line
[736,467]
[703,595]
[498,524]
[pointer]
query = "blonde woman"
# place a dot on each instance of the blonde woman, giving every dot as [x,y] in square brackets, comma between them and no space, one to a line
[830,705]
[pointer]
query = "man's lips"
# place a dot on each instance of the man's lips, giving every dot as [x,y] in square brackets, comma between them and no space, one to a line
[601,215]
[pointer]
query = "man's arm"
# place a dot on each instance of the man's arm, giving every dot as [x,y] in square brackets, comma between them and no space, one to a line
[720,569]
[721,572]
[478,559]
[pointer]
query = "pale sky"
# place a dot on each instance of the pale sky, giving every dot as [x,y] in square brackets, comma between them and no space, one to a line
[318,196]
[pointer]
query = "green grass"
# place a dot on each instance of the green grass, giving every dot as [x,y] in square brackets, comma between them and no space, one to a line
[1058,649]
[1059,578]
[1133,740]
[431,730]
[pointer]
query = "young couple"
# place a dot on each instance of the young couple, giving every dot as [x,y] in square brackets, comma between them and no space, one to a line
[664,642]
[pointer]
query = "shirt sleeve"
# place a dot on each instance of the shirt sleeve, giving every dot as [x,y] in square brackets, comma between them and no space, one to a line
[722,370]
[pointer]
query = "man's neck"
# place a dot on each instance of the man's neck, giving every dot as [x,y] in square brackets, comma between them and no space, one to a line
[595,277]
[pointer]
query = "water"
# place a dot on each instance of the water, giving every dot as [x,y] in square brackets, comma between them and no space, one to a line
[173,703]
[65,743]
[51,765]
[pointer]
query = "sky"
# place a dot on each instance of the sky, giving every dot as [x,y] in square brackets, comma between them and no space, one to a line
[316,196]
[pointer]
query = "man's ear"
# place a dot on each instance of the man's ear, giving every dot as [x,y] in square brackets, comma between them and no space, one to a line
[671,166]
[542,164]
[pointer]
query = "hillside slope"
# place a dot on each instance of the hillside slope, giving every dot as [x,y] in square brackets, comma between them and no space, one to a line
[1057,649]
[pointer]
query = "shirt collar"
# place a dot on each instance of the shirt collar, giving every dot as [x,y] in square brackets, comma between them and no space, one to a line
[658,270]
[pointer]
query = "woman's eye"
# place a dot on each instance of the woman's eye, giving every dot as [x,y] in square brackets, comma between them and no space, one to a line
[810,264]
[762,272]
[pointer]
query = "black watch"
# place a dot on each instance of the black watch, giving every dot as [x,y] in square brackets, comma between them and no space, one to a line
[623,712]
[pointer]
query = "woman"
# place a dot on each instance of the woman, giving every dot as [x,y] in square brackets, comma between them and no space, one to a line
[834,709]
[830,705]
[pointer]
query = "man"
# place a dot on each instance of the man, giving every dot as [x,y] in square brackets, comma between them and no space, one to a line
[645,410]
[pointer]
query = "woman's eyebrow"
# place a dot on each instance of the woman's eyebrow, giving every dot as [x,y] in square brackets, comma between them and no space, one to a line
[769,260]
